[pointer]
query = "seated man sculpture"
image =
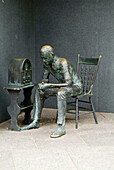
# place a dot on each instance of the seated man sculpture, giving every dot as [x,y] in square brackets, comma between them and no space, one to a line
[69,84]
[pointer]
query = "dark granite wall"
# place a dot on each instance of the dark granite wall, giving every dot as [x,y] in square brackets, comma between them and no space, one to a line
[17,40]
[79,26]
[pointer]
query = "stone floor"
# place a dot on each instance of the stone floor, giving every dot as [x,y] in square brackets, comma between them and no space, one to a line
[90,147]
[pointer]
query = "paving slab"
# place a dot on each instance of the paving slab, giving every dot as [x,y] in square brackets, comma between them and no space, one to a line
[6,160]
[43,159]
[92,158]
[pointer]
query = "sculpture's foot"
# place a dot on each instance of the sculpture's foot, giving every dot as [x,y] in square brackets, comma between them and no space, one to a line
[31,126]
[58,133]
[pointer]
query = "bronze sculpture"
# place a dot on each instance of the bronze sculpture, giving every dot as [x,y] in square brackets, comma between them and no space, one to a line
[69,84]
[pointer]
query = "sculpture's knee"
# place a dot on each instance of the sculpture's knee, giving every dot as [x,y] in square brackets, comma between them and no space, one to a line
[39,94]
[61,94]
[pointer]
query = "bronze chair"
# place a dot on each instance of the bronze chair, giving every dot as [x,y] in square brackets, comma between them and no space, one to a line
[87,68]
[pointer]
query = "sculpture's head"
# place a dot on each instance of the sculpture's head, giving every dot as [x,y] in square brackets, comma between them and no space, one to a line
[47,54]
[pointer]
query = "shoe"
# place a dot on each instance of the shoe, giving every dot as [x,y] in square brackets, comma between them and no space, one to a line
[31,126]
[57,134]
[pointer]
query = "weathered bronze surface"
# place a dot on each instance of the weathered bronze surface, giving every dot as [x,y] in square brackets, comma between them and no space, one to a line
[87,68]
[19,78]
[19,72]
[69,84]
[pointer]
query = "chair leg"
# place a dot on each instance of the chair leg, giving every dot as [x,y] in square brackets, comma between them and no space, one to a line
[94,114]
[76,113]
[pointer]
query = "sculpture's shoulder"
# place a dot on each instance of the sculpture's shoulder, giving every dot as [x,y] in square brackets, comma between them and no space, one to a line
[63,61]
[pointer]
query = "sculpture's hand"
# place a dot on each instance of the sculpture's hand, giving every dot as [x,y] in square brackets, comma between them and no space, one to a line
[43,86]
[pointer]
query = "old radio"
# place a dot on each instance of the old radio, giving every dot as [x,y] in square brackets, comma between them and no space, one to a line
[19,79]
[19,72]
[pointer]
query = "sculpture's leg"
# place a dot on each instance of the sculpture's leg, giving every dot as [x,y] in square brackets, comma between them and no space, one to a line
[14,110]
[62,95]
[61,100]
[33,112]
[36,113]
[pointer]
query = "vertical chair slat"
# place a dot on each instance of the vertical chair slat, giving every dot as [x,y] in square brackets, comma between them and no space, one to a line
[88,81]
[82,73]
[93,75]
[85,78]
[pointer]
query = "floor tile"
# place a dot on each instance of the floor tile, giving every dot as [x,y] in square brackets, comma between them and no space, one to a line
[43,160]
[6,160]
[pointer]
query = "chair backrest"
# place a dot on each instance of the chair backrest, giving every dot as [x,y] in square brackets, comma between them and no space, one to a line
[87,68]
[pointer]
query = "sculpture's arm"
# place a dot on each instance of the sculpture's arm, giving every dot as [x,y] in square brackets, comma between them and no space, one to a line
[44,86]
[67,79]
[45,76]
[66,74]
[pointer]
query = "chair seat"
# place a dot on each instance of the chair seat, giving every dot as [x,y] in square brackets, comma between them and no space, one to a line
[84,94]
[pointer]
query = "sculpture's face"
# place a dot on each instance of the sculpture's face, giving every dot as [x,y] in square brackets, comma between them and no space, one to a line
[47,57]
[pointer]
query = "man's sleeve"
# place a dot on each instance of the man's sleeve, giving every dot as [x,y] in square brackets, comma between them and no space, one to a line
[45,76]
